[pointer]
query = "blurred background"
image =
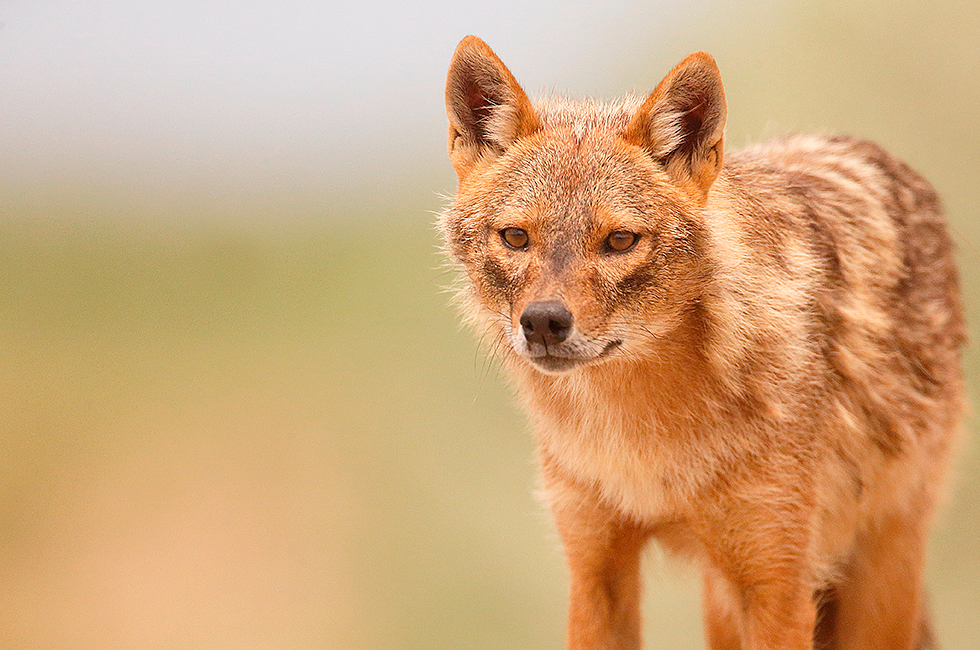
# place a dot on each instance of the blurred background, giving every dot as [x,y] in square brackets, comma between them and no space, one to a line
[236,409]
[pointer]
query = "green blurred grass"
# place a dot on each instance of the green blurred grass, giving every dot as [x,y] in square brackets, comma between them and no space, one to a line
[216,438]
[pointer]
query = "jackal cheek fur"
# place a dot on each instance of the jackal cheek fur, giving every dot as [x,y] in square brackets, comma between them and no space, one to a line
[752,358]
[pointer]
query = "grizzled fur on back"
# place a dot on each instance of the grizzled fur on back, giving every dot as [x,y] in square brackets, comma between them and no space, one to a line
[751,358]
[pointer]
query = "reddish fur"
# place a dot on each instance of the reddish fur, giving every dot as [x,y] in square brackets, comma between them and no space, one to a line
[768,383]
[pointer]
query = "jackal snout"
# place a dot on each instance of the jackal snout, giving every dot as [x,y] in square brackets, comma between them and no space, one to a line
[546,322]
[547,337]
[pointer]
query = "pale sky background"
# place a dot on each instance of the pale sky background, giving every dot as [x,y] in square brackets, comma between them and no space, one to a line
[182,106]
[232,93]
[186,102]
[288,98]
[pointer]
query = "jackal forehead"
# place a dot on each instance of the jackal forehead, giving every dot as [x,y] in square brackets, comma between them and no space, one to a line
[595,183]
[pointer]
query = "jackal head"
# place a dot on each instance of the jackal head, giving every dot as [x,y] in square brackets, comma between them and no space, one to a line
[577,223]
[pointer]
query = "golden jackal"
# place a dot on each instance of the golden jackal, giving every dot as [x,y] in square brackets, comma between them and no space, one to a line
[753,359]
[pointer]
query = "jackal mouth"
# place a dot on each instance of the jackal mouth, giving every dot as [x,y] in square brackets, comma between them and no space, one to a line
[553,362]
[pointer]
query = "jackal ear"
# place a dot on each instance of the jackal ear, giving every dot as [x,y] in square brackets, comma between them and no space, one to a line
[487,109]
[682,123]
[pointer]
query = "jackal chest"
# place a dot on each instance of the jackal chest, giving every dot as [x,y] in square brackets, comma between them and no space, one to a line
[638,468]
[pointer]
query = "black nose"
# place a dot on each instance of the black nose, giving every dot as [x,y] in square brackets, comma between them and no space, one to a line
[547,322]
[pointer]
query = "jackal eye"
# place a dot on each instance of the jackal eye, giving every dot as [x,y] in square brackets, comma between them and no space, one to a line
[514,237]
[621,241]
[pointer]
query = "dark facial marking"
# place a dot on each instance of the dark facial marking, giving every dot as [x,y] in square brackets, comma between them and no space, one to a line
[497,279]
[636,282]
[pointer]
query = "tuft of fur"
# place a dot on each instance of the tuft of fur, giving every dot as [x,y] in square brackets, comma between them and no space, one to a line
[767,381]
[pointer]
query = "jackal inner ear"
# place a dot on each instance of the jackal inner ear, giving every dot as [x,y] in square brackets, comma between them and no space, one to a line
[487,109]
[682,123]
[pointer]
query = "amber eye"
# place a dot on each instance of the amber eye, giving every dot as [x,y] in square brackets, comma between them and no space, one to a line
[621,241]
[514,237]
